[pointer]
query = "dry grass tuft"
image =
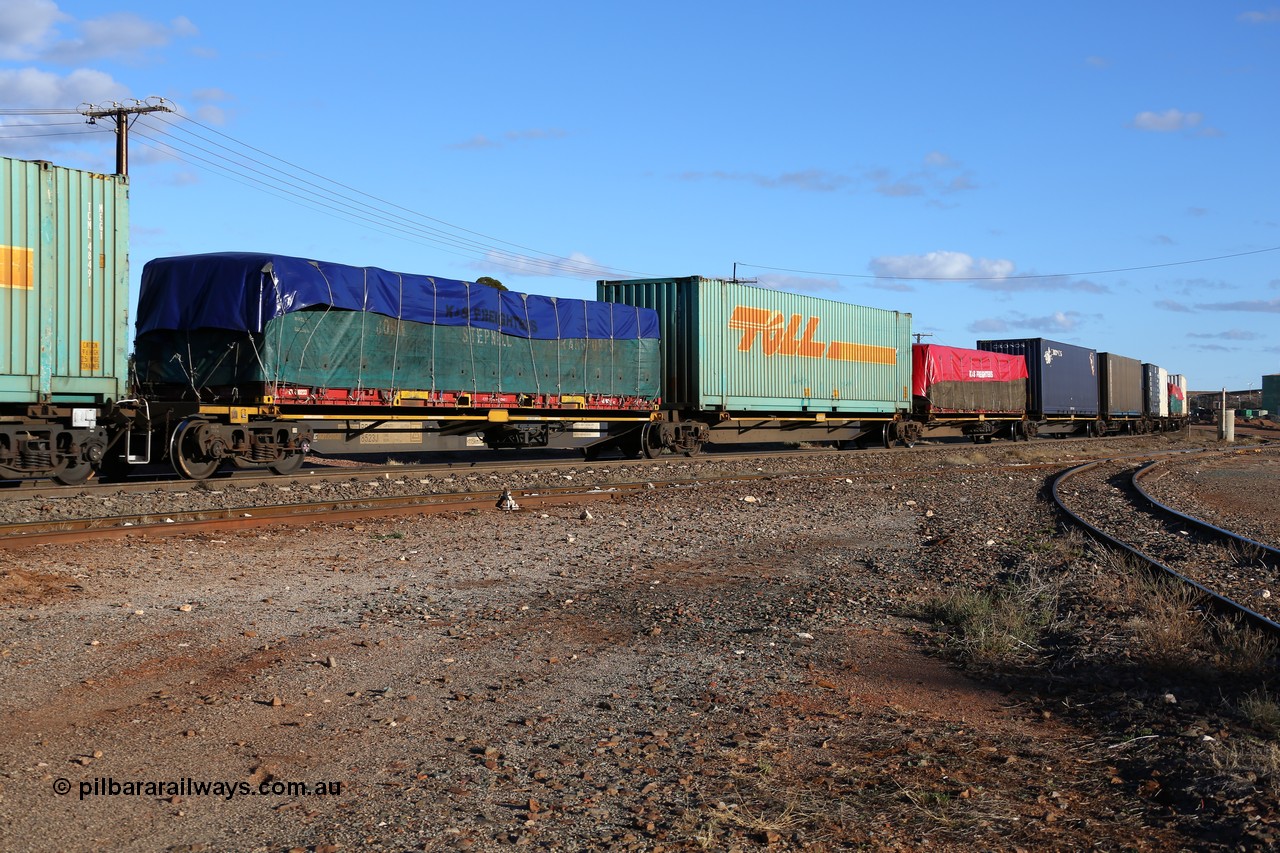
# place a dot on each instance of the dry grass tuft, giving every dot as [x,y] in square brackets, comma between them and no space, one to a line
[1263,713]
[964,460]
[1170,627]
[999,625]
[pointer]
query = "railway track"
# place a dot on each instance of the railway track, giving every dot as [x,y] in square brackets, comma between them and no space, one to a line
[160,478]
[254,502]
[1236,574]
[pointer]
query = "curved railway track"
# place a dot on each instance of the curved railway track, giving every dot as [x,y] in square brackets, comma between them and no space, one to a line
[1236,574]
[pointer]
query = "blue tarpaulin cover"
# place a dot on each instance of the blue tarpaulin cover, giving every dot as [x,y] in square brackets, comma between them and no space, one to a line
[243,291]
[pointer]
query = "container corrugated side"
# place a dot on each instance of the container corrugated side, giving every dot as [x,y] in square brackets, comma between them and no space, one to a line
[1155,391]
[1178,398]
[64,283]
[1063,377]
[1119,385]
[749,350]
[1271,395]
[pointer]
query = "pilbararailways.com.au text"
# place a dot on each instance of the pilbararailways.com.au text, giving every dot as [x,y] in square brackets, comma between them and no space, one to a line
[188,787]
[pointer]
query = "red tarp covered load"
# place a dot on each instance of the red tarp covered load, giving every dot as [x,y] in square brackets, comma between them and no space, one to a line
[967,381]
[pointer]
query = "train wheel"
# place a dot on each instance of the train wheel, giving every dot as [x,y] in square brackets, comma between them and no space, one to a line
[651,441]
[289,464]
[76,472]
[185,454]
[888,434]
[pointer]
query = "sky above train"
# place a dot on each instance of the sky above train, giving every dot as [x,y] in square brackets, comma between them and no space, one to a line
[1096,173]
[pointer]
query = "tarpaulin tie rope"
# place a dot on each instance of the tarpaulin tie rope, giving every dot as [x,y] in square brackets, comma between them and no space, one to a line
[471,346]
[533,359]
[395,352]
[555,305]
[302,359]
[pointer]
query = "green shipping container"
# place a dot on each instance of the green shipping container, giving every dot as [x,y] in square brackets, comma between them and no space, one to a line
[1271,394]
[64,284]
[748,350]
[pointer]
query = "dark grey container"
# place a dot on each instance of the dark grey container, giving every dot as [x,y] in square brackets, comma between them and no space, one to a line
[1119,386]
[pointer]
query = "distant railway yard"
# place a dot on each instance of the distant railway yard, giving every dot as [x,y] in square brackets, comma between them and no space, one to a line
[906,649]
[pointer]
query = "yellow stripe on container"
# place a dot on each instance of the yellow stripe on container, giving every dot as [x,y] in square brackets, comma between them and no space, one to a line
[16,269]
[866,353]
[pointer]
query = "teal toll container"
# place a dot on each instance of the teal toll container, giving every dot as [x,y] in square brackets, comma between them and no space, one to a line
[746,350]
[64,284]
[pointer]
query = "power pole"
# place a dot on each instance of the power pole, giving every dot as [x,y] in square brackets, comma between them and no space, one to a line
[120,113]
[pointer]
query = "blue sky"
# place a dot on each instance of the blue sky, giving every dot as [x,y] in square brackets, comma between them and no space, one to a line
[1106,174]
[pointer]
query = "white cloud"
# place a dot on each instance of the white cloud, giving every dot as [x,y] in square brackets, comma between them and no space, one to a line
[122,35]
[1055,323]
[809,180]
[803,284]
[1169,121]
[30,87]
[1229,335]
[576,265]
[26,26]
[1026,283]
[1269,16]
[956,266]
[1170,305]
[1058,321]
[1266,306]
[480,140]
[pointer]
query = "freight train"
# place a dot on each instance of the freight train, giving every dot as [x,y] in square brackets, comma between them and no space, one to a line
[252,360]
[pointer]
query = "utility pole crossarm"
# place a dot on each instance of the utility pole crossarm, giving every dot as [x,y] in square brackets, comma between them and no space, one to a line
[119,113]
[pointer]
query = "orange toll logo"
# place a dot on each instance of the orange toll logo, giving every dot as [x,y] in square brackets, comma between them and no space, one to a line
[780,336]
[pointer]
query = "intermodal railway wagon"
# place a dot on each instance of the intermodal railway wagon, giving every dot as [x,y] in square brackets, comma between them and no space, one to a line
[64,296]
[747,364]
[1076,389]
[253,359]
[982,393]
[272,344]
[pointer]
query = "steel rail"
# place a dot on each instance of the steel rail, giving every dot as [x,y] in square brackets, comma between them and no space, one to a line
[1218,600]
[1143,472]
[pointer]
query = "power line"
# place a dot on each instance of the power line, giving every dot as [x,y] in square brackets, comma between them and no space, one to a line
[381,215]
[1012,277]
[43,135]
[371,214]
[286,194]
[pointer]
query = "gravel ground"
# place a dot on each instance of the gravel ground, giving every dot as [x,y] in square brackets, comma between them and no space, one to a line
[724,666]
[1235,490]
